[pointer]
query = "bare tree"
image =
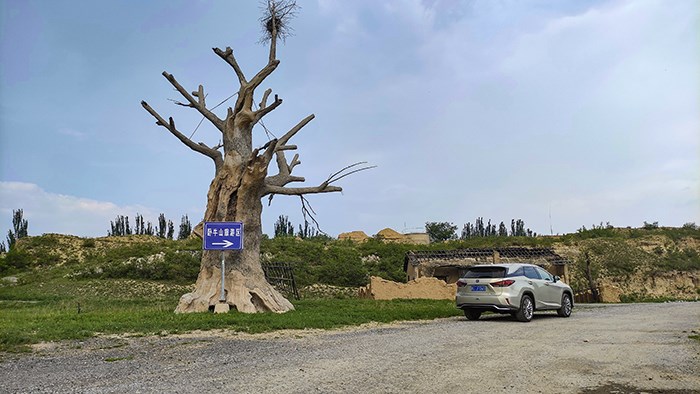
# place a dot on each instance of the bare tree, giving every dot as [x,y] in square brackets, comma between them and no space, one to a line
[241,176]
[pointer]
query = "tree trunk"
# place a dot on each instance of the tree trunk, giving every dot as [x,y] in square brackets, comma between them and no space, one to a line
[592,286]
[234,195]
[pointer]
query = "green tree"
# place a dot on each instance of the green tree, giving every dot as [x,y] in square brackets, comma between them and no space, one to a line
[490,229]
[119,227]
[19,228]
[185,228]
[467,231]
[441,231]
[162,229]
[502,230]
[140,229]
[307,231]
[171,229]
[283,227]
[479,229]
[690,225]
[650,226]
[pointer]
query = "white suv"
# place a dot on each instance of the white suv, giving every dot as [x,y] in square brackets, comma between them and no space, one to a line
[517,289]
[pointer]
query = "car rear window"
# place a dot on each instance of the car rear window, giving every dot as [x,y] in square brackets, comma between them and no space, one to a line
[485,272]
[518,272]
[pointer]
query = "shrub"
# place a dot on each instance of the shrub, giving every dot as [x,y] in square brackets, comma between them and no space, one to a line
[178,266]
[388,259]
[15,260]
[636,297]
[680,260]
[342,267]
[317,260]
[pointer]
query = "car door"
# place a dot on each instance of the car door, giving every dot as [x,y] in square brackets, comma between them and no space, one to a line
[550,291]
[538,286]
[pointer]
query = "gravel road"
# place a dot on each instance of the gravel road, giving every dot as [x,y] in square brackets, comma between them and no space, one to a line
[606,348]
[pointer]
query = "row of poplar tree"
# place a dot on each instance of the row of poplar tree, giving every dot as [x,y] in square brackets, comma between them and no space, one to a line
[479,229]
[285,228]
[166,229]
[119,227]
[445,231]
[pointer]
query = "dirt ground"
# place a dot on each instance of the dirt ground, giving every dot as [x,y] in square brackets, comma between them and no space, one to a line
[630,348]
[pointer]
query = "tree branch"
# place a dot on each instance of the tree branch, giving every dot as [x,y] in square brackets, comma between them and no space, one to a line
[262,74]
[283,140]
[196,104]
[308,211]
[298,191]
[294,163]
[201,97]
[339,174]
[272,184]
[228,57]
[263,102]
[284,175]
[269,150]
[197,147]
[266,110]
[273,42]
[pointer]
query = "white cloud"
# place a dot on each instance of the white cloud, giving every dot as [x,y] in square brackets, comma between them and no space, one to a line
[504,109]
[72,133]
[58,213]
[498,109]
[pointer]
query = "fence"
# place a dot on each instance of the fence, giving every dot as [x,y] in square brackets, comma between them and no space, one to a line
[281,276]
[585,297]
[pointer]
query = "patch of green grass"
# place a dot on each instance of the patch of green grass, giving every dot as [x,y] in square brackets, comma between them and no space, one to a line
[635,298]
[94,286]
[56,317]
[695,337]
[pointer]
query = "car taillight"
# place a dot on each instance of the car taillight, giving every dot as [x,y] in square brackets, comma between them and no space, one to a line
[461,284]
[503,283]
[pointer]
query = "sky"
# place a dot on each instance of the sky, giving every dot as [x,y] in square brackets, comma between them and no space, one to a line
[560,113]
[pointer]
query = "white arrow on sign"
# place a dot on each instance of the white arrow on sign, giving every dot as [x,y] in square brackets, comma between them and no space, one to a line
[225,244]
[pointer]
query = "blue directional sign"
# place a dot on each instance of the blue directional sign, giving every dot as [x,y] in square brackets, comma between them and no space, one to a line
[223,235]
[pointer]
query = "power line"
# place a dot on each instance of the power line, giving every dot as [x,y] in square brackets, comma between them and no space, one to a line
[213,108]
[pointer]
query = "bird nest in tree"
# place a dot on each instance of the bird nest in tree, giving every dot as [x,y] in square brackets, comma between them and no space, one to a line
[276,18]
[272,24]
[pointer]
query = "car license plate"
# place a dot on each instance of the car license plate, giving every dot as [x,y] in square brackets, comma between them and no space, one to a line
[478,288]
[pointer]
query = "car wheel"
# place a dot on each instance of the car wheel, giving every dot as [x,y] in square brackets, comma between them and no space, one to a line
[527,308]
[472,314]
[566,306]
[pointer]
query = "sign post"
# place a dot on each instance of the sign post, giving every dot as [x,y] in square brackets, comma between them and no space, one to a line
[222,295]
[223,236]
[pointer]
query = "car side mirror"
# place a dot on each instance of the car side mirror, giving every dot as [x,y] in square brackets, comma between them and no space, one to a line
[556,279]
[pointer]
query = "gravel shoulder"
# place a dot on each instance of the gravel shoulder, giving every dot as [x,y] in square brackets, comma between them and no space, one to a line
[635,347]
